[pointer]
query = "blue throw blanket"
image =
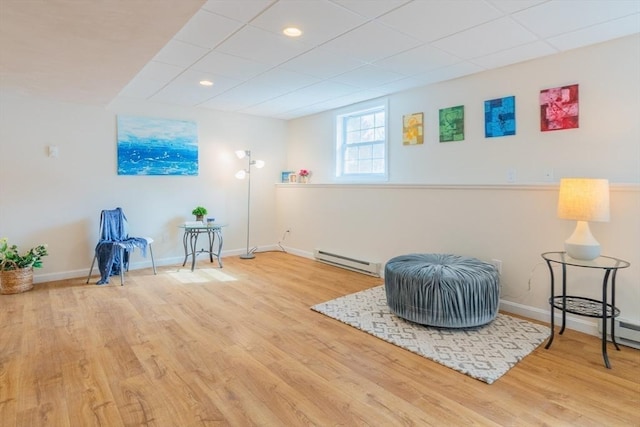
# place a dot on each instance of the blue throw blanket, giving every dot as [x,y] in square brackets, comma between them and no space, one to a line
[115,243]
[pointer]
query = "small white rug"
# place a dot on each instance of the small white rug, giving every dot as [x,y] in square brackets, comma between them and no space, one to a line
[484,353]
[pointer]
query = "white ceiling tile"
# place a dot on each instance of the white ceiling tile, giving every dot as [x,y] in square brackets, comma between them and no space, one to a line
[371,8]
[511,6]
[597,33]
[367,76]
[240,10]
[322,63]
[430,20]
[520,53]
[207,29]
[485,39]
[418,60]
[371,42]
[399,85]
[186,90]
[284,80]
[448,73]
[230,66]
[557,17]
[311,17]
[243,96]
[179,53]
[262,46]
[153,77]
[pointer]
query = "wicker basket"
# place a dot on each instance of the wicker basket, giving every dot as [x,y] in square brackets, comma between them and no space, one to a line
[16,281]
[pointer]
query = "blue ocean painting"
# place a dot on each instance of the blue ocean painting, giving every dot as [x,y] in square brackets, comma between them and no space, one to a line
[148,146]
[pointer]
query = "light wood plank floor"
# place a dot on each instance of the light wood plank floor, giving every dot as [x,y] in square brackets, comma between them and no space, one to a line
[200,349]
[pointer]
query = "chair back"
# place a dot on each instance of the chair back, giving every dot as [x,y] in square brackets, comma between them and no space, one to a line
[113,225]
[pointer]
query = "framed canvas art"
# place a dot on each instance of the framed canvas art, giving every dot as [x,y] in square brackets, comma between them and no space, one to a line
[451,124]
[148,146]
[559,108]
[285,176]
[412,131]
[500,117]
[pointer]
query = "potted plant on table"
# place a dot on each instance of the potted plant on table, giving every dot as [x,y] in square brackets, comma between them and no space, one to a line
[199,212]
[16,270]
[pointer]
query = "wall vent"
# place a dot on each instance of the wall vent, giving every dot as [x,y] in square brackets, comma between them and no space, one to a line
[365,267]
[627,333]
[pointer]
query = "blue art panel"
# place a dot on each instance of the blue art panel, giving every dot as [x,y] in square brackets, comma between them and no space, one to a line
[149,146]
[500,117]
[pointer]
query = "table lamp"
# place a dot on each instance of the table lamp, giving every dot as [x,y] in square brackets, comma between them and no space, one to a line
[583,200]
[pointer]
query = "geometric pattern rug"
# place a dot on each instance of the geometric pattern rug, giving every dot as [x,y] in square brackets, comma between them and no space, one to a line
[484,353]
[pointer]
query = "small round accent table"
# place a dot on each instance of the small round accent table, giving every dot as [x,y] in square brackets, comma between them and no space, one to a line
[442,290]
[586,306]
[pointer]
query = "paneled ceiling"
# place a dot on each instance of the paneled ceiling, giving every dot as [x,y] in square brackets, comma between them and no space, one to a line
[350,50]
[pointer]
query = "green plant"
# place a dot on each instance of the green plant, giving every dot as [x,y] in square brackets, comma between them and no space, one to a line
[11,259]
[199,211]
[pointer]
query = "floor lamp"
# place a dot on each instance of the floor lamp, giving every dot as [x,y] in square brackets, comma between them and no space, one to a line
[241,174]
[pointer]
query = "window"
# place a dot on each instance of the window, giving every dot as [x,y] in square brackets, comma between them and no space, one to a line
[361,143]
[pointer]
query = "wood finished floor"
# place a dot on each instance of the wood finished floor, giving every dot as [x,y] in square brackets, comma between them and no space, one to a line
[166,351]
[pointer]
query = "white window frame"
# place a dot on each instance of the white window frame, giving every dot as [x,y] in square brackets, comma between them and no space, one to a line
[340,146]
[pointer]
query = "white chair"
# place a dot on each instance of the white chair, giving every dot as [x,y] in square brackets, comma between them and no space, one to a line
[115,246]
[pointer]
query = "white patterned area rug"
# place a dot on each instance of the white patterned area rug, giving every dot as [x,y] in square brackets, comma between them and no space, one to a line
[485,353]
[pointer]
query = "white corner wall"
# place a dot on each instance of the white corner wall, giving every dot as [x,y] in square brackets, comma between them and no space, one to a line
[454,197]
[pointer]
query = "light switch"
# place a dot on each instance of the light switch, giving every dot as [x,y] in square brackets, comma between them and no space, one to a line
[53,151]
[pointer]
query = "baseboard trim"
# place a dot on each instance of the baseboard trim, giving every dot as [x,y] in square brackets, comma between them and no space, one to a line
[575,323]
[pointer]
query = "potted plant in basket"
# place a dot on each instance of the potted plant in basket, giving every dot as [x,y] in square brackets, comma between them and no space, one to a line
[16,269]
[199,212]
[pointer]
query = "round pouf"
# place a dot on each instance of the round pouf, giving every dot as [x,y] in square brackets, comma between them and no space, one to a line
[442,290]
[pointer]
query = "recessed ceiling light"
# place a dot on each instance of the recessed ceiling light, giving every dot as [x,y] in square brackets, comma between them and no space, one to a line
[206,83]
[292,32]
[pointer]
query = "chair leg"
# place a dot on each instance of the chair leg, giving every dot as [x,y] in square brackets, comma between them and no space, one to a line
[121,266]
[91,269]
[153,263]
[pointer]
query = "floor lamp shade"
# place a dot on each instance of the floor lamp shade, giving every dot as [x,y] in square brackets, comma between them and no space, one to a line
[583,200]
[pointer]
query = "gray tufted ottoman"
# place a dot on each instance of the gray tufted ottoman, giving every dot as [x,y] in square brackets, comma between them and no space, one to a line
[442,290]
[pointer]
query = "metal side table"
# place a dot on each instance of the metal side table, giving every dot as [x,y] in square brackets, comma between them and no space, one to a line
[586,306]
[190,242]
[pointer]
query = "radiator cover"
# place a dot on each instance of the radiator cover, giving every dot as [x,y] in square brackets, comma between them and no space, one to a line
[361,266]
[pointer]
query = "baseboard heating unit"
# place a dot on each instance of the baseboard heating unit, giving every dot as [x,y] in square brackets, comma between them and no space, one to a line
[627,333]
[365,267]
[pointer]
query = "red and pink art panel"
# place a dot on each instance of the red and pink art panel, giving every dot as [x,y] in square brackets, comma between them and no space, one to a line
[559,108]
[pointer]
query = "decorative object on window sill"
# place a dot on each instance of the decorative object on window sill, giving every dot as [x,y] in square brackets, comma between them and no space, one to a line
[304,176]
[16,270]
[285,176]
[199,212]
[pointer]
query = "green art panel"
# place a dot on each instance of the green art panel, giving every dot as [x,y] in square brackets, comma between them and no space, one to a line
[452,124]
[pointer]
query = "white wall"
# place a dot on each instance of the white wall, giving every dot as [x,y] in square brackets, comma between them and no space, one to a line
[58,200]
[453,197]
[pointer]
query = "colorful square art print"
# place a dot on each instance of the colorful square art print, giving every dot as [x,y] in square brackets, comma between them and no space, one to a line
[452,124]
[148,146]
[412,132]
[500,117]
[559,108]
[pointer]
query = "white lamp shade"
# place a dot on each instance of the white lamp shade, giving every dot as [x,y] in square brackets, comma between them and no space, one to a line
[584,199]
[241,154]
[259,164]
[241,174]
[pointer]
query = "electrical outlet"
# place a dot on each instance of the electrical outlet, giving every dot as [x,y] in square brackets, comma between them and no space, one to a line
[512,175]
[548,175]
[497,264]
